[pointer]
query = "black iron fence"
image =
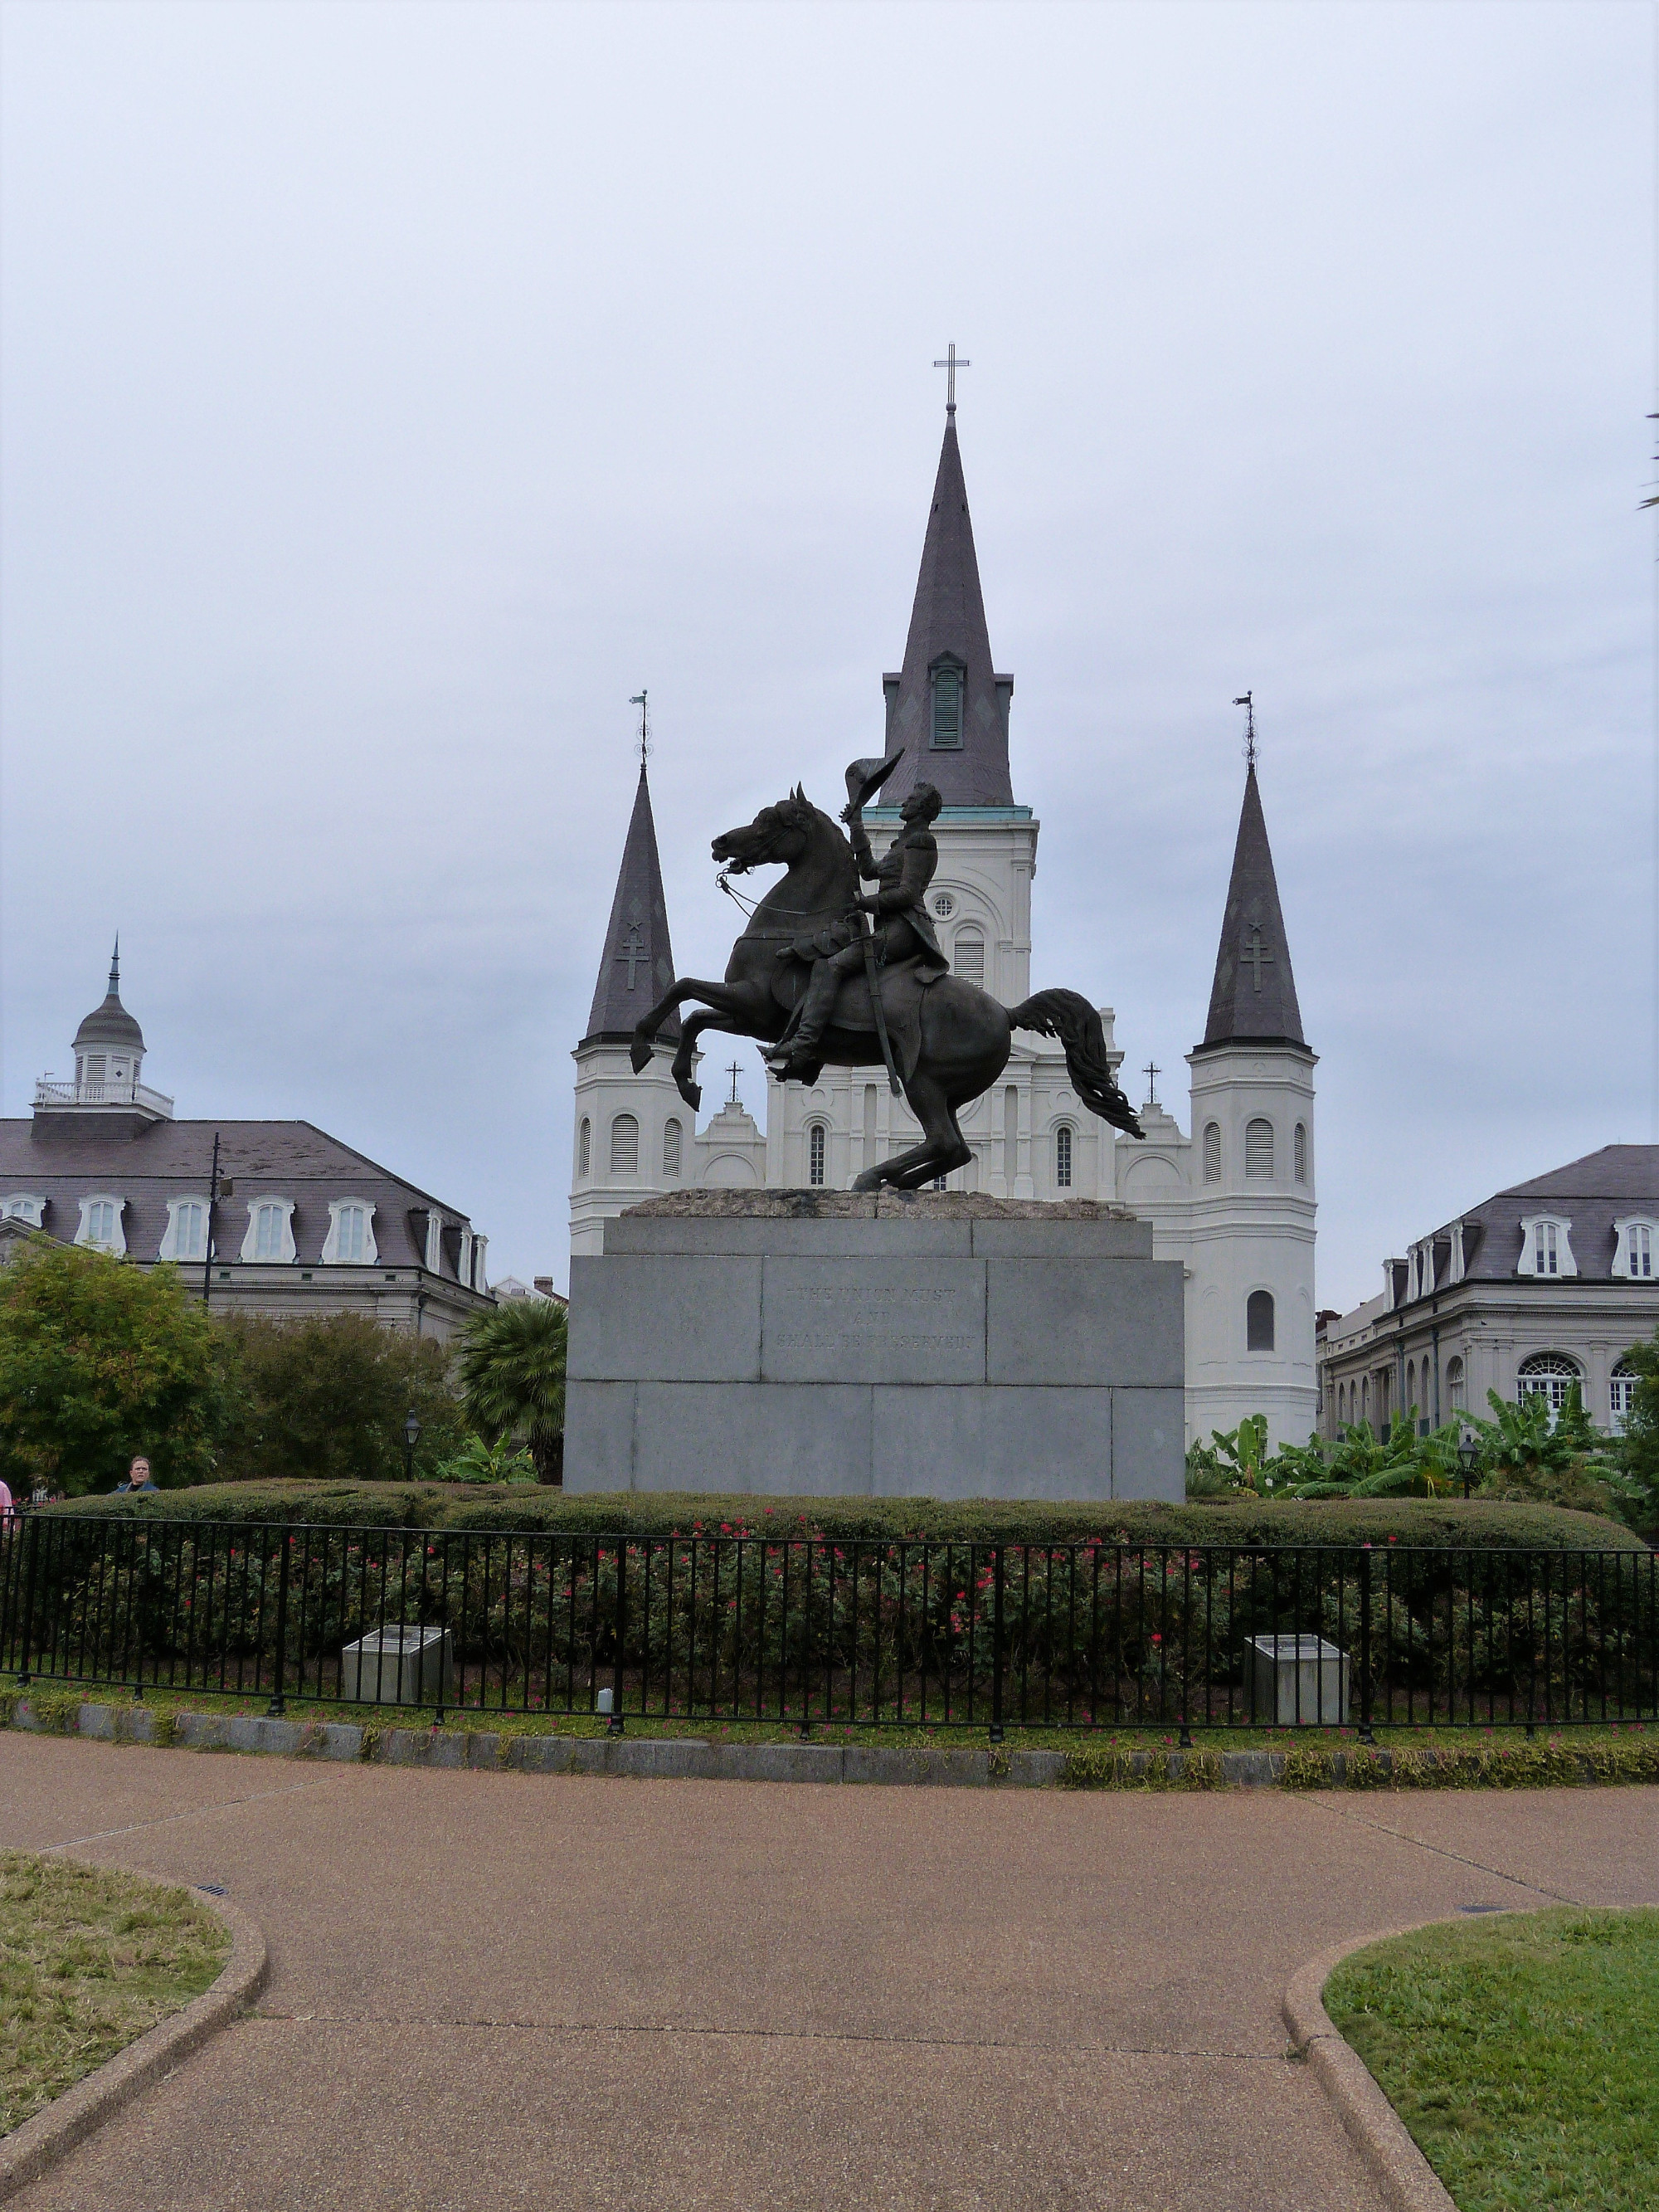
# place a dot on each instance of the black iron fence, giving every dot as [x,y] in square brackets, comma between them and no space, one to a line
[810,1629]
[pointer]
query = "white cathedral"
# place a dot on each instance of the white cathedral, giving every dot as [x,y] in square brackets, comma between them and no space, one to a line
[1233,1201]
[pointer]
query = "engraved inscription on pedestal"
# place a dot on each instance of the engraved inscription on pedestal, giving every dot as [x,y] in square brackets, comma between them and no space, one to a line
[838,1321]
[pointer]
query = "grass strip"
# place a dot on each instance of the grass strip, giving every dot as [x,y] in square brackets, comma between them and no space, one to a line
[1521,2053]
[89,1961]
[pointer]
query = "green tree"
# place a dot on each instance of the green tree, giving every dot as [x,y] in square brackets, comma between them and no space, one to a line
[326,1397]
[1637,1452]
[511,1369]
[99,1361]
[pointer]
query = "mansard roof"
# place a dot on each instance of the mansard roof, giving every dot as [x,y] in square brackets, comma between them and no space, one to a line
[1253,997]
[637,963]
[1592,1193]
[948,619]
[257,1159]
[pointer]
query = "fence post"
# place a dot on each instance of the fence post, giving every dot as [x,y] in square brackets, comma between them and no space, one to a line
[278,1706]
[1365,1734]
[614,1725]
[997,1653]
[33,1538]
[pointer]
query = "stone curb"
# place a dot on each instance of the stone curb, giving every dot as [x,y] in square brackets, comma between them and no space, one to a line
[664,1758]
[25,2154]
[1405,2176]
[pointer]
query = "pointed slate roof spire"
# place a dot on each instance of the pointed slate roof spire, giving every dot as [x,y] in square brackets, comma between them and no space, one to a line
[1253,999]
[947,623]
[637,964]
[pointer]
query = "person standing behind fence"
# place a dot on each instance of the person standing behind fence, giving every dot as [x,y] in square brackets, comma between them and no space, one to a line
[137,1479]
[8,1511]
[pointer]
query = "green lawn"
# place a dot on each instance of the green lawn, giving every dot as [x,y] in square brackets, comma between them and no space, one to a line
[1522,2053]
[89,1960]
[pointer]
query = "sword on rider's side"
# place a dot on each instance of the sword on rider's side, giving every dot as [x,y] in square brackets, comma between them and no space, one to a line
[864,779]
[868,938]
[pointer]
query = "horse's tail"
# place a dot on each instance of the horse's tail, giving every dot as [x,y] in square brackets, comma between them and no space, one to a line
[1068,1016]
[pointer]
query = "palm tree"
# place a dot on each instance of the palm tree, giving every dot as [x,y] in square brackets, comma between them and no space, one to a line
[512,1370]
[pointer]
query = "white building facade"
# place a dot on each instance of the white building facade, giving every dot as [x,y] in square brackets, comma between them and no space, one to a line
[1235,1206]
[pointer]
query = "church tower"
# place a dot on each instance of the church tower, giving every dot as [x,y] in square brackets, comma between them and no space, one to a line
[949,708]
[1250,1297]
[633,1134]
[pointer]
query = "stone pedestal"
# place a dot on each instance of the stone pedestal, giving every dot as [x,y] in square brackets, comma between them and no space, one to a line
[828,1343]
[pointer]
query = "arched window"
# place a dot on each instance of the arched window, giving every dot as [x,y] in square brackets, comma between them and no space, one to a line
[1547,1375]
[1622,1393]
[624,1145]
[1212,1151]
[1259,1322]
[350,1235]
[1365,1398]
[1411,1382]
[968,959]
[1300,1152]
[1063,1158]
[585,1146]
[1454,1385]
[1258,1151]
[815,1148]
[947,707]
[671,1136]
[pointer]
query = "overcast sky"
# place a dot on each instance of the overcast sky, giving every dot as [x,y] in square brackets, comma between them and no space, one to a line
[389,392]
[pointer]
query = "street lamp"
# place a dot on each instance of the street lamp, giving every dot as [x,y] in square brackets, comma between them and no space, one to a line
[1468,1453]
[411,1438]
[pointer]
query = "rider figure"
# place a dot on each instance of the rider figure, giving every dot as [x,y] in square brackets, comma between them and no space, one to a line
[903,930]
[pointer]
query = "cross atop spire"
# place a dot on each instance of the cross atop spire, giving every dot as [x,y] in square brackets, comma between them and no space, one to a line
[952,364]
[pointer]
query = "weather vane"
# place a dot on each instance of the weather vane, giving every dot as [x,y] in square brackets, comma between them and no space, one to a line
[1248,705]
[952,364]
[638,700]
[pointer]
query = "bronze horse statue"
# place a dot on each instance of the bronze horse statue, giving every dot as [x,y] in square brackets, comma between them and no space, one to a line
[954,1038]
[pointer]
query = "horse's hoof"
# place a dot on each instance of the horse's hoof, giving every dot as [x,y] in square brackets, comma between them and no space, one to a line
[639,1054]
[692,1094]
[870,1180]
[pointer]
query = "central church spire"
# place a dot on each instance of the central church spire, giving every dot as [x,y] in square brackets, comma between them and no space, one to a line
[947,707]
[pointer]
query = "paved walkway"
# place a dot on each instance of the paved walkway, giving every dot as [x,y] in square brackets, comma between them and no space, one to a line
[494,1991]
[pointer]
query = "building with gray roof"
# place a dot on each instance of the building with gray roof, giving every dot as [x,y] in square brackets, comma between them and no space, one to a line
[1540,1287]
[293,1221]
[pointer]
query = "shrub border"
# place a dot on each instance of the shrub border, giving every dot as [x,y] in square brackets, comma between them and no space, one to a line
[29,2150]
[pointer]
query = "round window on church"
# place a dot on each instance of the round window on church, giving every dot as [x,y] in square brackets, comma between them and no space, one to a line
[945,906]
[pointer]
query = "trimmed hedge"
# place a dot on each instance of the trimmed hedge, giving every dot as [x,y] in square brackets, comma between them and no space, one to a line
[1475,1523]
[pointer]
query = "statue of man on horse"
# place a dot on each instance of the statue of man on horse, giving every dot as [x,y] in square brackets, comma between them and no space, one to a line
[818,983]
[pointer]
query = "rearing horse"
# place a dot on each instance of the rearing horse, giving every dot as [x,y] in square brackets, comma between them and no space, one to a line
[965,1034]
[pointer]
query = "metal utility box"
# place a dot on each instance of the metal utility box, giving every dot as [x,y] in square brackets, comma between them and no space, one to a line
[399,1665]
[1298,1681]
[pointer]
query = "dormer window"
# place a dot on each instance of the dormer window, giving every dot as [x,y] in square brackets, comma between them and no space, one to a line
[1545,1250]
[950,685]
[101,1223]
[25,1206]
[1637,1249]
[269,1238]
[187,1229]
[350,1239]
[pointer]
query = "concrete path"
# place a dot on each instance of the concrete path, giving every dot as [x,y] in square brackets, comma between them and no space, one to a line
[494,1991]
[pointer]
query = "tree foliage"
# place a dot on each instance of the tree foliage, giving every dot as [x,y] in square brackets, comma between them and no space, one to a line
[1637,1448]
[99,1361]
[327,1397]
[512,1370]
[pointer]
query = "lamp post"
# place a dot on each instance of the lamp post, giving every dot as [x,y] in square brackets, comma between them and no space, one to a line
[1468,1453]
[411,1438]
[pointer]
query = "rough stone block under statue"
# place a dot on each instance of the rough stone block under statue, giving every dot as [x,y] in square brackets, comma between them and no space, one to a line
[797,1343]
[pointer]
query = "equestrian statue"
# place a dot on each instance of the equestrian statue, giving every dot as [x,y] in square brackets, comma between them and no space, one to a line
[829,974]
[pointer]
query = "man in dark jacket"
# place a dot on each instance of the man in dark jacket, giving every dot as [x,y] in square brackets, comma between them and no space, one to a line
[137,1479]
[903,930]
